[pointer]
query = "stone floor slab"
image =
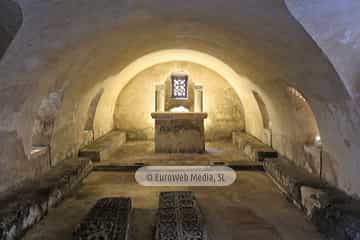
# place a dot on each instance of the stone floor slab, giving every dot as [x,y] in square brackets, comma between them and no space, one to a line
[234,212]
[108,219]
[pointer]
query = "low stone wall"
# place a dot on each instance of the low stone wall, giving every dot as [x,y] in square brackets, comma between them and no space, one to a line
[21,209]
[335,214]
[254,148]
[103,147]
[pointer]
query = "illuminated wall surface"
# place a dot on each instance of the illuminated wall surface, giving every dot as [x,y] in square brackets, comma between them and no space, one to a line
[72,68]
[224,108]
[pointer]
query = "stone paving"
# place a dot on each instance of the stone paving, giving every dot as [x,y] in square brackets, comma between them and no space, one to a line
[251,208]
[142,153]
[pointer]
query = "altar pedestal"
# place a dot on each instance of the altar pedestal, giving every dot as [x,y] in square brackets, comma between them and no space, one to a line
[177,132]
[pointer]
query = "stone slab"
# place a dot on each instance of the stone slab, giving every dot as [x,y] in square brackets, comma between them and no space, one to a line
[179,217]
[103,147]
[109,219]
[29,203]
[254,148]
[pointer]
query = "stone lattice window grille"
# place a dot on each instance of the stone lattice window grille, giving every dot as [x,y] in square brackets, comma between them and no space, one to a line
[179,86]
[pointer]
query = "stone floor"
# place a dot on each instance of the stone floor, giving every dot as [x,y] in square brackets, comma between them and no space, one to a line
[142,152]
[251,209]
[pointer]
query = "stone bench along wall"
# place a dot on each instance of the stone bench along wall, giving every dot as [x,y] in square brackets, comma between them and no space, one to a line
[335,214]
[21,209]
[103,147]
[255,149]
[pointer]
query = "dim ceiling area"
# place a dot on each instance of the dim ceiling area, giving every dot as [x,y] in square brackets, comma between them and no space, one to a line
[10,22]
[93,66]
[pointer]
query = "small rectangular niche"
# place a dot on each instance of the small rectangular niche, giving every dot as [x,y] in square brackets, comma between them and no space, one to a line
[40,159]
[87,137]
[314,158]
[37,151]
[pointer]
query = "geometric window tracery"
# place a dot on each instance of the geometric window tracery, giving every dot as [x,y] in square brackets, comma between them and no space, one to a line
[179,86]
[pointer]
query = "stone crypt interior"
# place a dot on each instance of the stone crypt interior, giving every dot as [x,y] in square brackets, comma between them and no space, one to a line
[91,91]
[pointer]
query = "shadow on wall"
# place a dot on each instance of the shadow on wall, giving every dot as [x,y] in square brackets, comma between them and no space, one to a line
[263,110]
[89,125]
[10,21]
[267,132]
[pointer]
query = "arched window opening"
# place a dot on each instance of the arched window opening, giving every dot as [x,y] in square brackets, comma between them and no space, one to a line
[88,134]
[307,133]
[43,128]
[89,125]
[304,115]
[263,110]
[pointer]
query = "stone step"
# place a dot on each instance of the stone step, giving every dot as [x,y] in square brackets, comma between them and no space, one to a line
[103,147]
[21,209]
[237,166]
[252,147]
[109,219]
[179,217]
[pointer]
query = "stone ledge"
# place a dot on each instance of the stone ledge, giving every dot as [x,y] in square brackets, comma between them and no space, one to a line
[179,115]
[290,177]
[21,209]
[335,214]
[255,149]
[103,147]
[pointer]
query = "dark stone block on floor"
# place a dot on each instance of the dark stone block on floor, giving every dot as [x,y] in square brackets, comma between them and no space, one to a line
[108,220]
[262,155]
[179,217]
[30,202]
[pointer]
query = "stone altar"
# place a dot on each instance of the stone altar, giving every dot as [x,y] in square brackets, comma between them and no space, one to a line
[179,132]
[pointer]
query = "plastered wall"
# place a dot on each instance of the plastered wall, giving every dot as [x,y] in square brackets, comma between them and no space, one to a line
[136,102]
[81,47]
